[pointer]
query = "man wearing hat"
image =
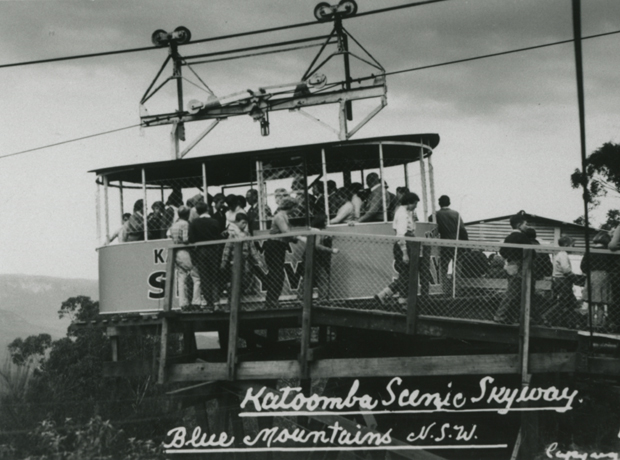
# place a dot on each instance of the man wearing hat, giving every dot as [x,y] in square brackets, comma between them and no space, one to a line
[450,227]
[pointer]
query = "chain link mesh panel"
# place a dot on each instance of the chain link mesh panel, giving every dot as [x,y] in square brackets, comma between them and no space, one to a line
[465,280]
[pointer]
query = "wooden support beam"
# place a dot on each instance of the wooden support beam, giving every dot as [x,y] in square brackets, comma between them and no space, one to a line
[114,345]
[129,368]
[169,286]
[189,339]
[235,297]
[378,367]
[163,351]
[168,296]
[526,307]
[306,317]
[414,278]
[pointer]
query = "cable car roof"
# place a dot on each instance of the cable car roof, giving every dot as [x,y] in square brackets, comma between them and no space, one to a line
[240,167]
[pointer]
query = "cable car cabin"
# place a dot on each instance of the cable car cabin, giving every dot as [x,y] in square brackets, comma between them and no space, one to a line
[320,179]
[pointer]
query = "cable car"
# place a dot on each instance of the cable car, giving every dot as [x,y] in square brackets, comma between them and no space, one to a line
[132,274]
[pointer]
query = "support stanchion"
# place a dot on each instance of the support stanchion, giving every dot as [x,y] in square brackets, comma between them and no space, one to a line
[414,279]
[235,298]
[306,319]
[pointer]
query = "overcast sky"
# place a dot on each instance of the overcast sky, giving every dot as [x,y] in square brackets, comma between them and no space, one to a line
[508,125]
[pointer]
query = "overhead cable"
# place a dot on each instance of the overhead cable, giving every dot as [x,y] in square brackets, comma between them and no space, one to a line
[70,140]
[485,56]
[430,66]
[211,39]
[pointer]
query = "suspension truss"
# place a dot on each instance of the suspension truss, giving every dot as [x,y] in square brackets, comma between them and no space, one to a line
[313,89]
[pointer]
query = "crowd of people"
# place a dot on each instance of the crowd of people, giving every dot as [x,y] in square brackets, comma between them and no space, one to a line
[562,308]
[204,272]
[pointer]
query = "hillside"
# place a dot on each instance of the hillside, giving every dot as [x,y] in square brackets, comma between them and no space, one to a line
[29,305]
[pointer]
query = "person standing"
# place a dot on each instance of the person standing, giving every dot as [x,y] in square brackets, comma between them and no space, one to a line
[207,257]
[563,276]
[187,275]
[275,251]
[173,203]
[322,259]
[121,232]
[250,257]
[404,226]
[450,227]
[253,211]
[508,309]
[156,222]
[135,224]
[372,211]
[599,266]
[219,210]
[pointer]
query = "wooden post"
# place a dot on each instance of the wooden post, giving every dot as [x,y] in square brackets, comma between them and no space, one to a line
[168,293]
[169,287]
[414,277]
[235,298]
[114,344]
[306,319]
[189,339]
[163,349]
[529,421]
[526,306]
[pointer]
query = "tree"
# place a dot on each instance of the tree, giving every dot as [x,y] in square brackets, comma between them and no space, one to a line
[602,175]
[31,349]
[68,382]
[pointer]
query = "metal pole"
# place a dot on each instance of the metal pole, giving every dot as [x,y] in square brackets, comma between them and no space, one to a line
[406,175]
[177,73]
[144,204]
[106,209]
[120,184]
[97,210]
[582,137]
[324,168]
[385,216]
[431,178]
[307,193]
[423,179]
[456,249]
[204,183]
[343,43]
[261,188]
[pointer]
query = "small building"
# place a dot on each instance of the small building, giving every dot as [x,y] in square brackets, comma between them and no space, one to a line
[548,230]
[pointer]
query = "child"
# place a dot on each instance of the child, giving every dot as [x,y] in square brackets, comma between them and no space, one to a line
[598,265]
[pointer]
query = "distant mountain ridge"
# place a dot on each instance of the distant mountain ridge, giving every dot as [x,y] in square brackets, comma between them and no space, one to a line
[29,305]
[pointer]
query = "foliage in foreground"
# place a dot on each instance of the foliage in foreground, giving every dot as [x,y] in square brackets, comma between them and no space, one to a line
[54,399]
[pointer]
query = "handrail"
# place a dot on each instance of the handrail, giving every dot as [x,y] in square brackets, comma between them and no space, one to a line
[417,290]
[425,241]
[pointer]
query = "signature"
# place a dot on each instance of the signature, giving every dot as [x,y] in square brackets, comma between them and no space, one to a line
[553,452]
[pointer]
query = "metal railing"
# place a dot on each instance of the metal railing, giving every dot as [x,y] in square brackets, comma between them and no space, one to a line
[410,277]
[454,279]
